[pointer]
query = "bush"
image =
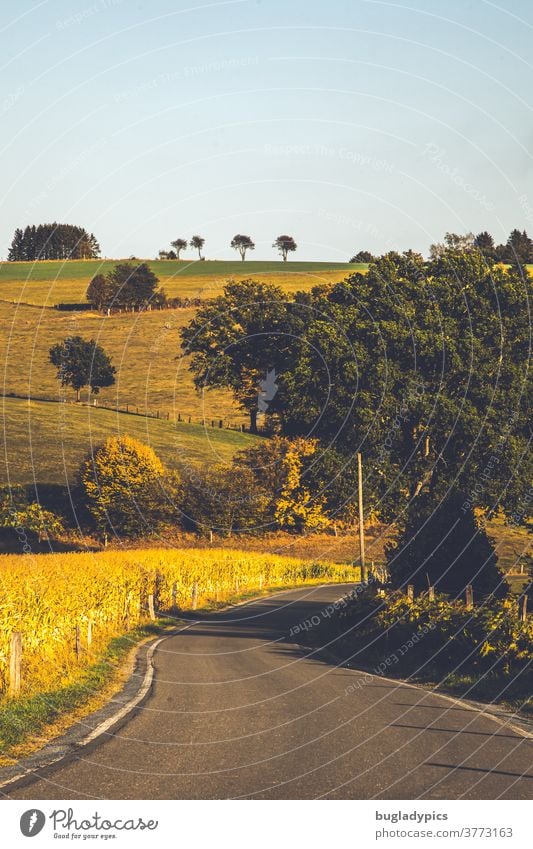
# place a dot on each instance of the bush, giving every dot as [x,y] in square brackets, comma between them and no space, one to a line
[127,489]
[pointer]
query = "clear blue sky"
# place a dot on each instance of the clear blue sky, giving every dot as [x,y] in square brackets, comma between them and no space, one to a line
[347,124]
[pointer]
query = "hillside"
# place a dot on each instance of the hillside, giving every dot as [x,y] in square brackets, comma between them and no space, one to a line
[48,283]
[44,443]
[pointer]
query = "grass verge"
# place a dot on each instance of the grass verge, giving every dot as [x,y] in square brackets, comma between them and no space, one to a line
[29,722]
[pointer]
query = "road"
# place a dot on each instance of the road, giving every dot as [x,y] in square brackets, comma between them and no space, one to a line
[238,711]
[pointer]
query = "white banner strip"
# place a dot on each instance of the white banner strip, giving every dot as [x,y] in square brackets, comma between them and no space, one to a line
[268,824]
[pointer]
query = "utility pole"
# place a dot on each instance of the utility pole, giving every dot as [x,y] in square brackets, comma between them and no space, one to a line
[361,516]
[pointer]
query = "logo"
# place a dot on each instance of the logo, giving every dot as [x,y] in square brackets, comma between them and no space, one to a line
[268,388]
[32,822]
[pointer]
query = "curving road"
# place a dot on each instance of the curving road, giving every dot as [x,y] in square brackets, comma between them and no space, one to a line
[237,711]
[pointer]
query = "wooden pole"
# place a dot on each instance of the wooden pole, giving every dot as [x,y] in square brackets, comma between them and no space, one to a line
[194,596]
[411,592]
[469,597]
[78,641]
[361,516]
[15,664]
[174,595]
[151,609]
[431,593]
[523,608]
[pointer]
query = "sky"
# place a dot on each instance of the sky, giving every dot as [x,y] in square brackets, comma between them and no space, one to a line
[348,124]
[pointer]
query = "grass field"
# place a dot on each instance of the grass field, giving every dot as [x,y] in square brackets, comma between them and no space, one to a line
[48,283]
[143,348]
[46,442]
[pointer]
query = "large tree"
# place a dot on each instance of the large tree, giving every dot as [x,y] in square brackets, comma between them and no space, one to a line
[236,339]
[242,244]
[127,489]
[126,286]
[285,245]
[81,362]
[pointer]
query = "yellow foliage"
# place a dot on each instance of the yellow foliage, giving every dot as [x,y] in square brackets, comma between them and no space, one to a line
[46,596]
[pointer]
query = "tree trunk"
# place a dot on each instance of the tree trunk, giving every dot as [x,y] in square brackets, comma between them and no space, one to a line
[253,420]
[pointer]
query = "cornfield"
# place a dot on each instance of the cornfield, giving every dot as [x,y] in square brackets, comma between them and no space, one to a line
[68,606]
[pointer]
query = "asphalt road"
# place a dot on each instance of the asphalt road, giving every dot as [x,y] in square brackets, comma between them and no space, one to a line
[238,711]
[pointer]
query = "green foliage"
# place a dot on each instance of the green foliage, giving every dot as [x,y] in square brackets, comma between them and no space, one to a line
[53,241]
[242,244]
[280,468]
[126,286]
[82,362]
[285,245]
[442,545]
[17,512]
[236,338]
[225,502]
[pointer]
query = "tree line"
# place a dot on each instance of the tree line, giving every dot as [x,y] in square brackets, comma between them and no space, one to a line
[517,248]
[52,241]
[241,243]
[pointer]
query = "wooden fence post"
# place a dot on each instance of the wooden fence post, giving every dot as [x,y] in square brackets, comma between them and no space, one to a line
[174,595]
[210,535]
[523,609]
[15,664]
[78,641]
[151,609]
[431,593]
[469,597]
[194,596]
[261,582]
[411,592]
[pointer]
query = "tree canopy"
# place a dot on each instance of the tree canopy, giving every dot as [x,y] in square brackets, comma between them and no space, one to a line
[242,244]
[53,241]
[81,362]
[236,338]
[285,245]
[126,286]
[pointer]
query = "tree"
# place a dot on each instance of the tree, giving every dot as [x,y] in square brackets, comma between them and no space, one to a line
[100,292]
[134,285]
[425,367]
[285,245]
[485,243]
[519,248]
[126,286]
[53,241]
[442,545]
[179,245]
[452,242]
[363,256]
[197,242]
[225,502]
[242,244]
[235,339]
[281,468]
[82,362]
[126,487]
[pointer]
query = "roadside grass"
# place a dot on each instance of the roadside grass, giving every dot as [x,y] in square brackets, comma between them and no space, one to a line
[28,722]
[45,443]
[49,283]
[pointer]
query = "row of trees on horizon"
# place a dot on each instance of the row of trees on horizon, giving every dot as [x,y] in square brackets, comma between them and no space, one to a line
[67,241]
